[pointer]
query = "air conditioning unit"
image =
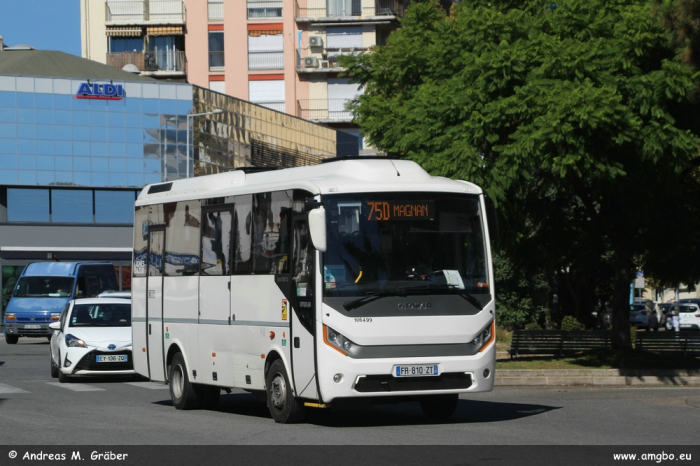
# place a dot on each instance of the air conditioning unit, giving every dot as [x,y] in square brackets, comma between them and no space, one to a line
[324,63]
[315,41]
[310,62]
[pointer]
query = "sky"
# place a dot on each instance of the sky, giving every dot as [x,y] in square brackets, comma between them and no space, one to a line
[43,24]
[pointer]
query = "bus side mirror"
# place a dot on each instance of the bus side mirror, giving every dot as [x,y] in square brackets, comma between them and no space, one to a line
[491,218]
[317,228]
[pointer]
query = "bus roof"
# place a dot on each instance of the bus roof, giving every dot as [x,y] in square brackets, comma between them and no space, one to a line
[339,176]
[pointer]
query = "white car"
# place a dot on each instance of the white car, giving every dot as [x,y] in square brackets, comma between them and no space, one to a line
[689,316]
[92,337]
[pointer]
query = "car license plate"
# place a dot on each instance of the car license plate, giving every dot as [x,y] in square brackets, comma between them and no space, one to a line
[32,326]
[416,370]
[112,358]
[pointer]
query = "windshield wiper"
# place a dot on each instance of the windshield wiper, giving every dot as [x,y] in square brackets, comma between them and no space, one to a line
[431,289]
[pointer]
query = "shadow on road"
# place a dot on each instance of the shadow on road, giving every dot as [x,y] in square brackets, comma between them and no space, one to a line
[408,413]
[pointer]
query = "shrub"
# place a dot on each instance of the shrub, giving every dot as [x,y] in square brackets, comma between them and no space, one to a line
[570,323]
[533,326]
[633,334]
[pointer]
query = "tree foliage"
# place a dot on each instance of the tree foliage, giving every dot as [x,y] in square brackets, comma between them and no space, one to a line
[575,117]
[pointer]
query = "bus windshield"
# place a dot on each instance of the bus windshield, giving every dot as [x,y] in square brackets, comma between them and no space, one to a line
[389,242]
[43,287]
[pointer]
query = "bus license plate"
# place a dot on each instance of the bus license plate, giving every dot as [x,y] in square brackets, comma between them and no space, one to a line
[32,326]
[416,370]
[112,358]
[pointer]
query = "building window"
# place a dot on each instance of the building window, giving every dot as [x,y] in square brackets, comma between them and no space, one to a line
[215,10]
[264,9]
[218,86]
[114,206]
[125,44]
[28,205]
[268,93]
[216,51]
[71,206]
[265,50]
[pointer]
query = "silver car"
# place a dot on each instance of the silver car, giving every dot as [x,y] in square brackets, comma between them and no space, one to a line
[643,316]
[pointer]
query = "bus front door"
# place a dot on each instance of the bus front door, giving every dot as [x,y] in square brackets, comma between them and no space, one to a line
[154,300]
[304,313]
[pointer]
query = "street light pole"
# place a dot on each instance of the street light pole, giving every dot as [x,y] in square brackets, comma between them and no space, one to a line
[213,112]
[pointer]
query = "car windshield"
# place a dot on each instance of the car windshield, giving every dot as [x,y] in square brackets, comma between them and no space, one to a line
[101,315]
[43,287]
[637,308]
[392,242]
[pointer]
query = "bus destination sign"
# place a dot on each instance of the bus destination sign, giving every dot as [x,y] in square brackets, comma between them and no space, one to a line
[401,210]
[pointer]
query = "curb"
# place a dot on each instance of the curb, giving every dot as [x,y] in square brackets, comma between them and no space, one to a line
[595,377]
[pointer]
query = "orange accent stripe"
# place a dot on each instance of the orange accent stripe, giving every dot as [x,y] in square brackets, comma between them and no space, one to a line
[265,27]
[217,78]
[216,27]
[325,339]
[493,335]
[265,77]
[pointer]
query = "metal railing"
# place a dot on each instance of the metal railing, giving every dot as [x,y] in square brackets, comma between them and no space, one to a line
[349,8]
[215,11]
[216,61]
[266,60]
[272,105]
[264,9]
[169,60]
[324,109]
[327,57]
[144,11]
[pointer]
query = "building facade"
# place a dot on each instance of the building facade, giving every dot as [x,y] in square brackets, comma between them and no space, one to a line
[79,140]
[281,54]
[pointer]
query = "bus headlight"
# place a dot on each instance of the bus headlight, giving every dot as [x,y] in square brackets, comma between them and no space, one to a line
[484,338]
[336,341]
[55,316]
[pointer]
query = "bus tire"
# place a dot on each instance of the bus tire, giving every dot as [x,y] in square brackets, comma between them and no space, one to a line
[208,396]
[183,393]
[11,339]
[439,406]
[283,406]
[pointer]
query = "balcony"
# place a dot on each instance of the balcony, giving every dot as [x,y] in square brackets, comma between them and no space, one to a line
[266,60]
[172,62]
[261,9]
[215,11]
[348,10]
[324,110]
[144,12]
[272,105]
[216,61]
[318,60]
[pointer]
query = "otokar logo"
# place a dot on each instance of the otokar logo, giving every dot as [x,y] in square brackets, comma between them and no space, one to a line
[427,306]
[100,91]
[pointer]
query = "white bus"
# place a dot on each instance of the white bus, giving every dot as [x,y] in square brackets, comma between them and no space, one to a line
[354,280]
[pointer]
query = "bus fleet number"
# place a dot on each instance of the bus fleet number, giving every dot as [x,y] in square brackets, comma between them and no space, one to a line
[363,319]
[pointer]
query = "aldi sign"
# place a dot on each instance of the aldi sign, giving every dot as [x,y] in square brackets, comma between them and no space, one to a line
[100,91]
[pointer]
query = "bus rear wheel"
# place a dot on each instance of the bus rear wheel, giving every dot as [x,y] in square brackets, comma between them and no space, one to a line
[283,406]
[439,406]
[183,393]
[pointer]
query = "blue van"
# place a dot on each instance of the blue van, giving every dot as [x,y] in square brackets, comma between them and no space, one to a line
[44,289]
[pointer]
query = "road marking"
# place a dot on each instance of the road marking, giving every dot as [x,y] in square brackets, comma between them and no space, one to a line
[149,385]
[5,389]
[76,387]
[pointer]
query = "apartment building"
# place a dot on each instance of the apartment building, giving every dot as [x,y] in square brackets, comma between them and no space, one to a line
[281,54]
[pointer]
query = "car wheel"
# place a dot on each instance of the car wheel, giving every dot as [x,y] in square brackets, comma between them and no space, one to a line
[209,396]
[54,367]
[283,406]
[184,394]
[439,406]
[11,339]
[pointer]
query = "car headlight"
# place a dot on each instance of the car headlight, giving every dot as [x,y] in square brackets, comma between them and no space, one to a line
[74,342]
[11,316]
[337,341]
[484,338]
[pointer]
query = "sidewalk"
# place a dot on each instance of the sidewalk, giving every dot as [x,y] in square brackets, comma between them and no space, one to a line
[595,377]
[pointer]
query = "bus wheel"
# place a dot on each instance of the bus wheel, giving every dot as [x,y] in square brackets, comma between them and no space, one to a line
[182,392]
[439,406]
[284,408]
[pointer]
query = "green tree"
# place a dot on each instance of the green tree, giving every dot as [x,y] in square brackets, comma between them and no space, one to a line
[682,20]
[575,117]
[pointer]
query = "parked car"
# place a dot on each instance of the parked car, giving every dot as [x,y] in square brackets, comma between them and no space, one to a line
[665,316]
[644,316]
[689,316]
[115,294]
[92,337]
[43,290]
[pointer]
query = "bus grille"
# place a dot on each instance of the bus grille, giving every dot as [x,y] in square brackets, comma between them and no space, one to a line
[88,363]
[387,383]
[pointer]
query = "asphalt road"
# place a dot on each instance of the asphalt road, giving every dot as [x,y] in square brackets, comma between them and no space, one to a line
[36,410]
